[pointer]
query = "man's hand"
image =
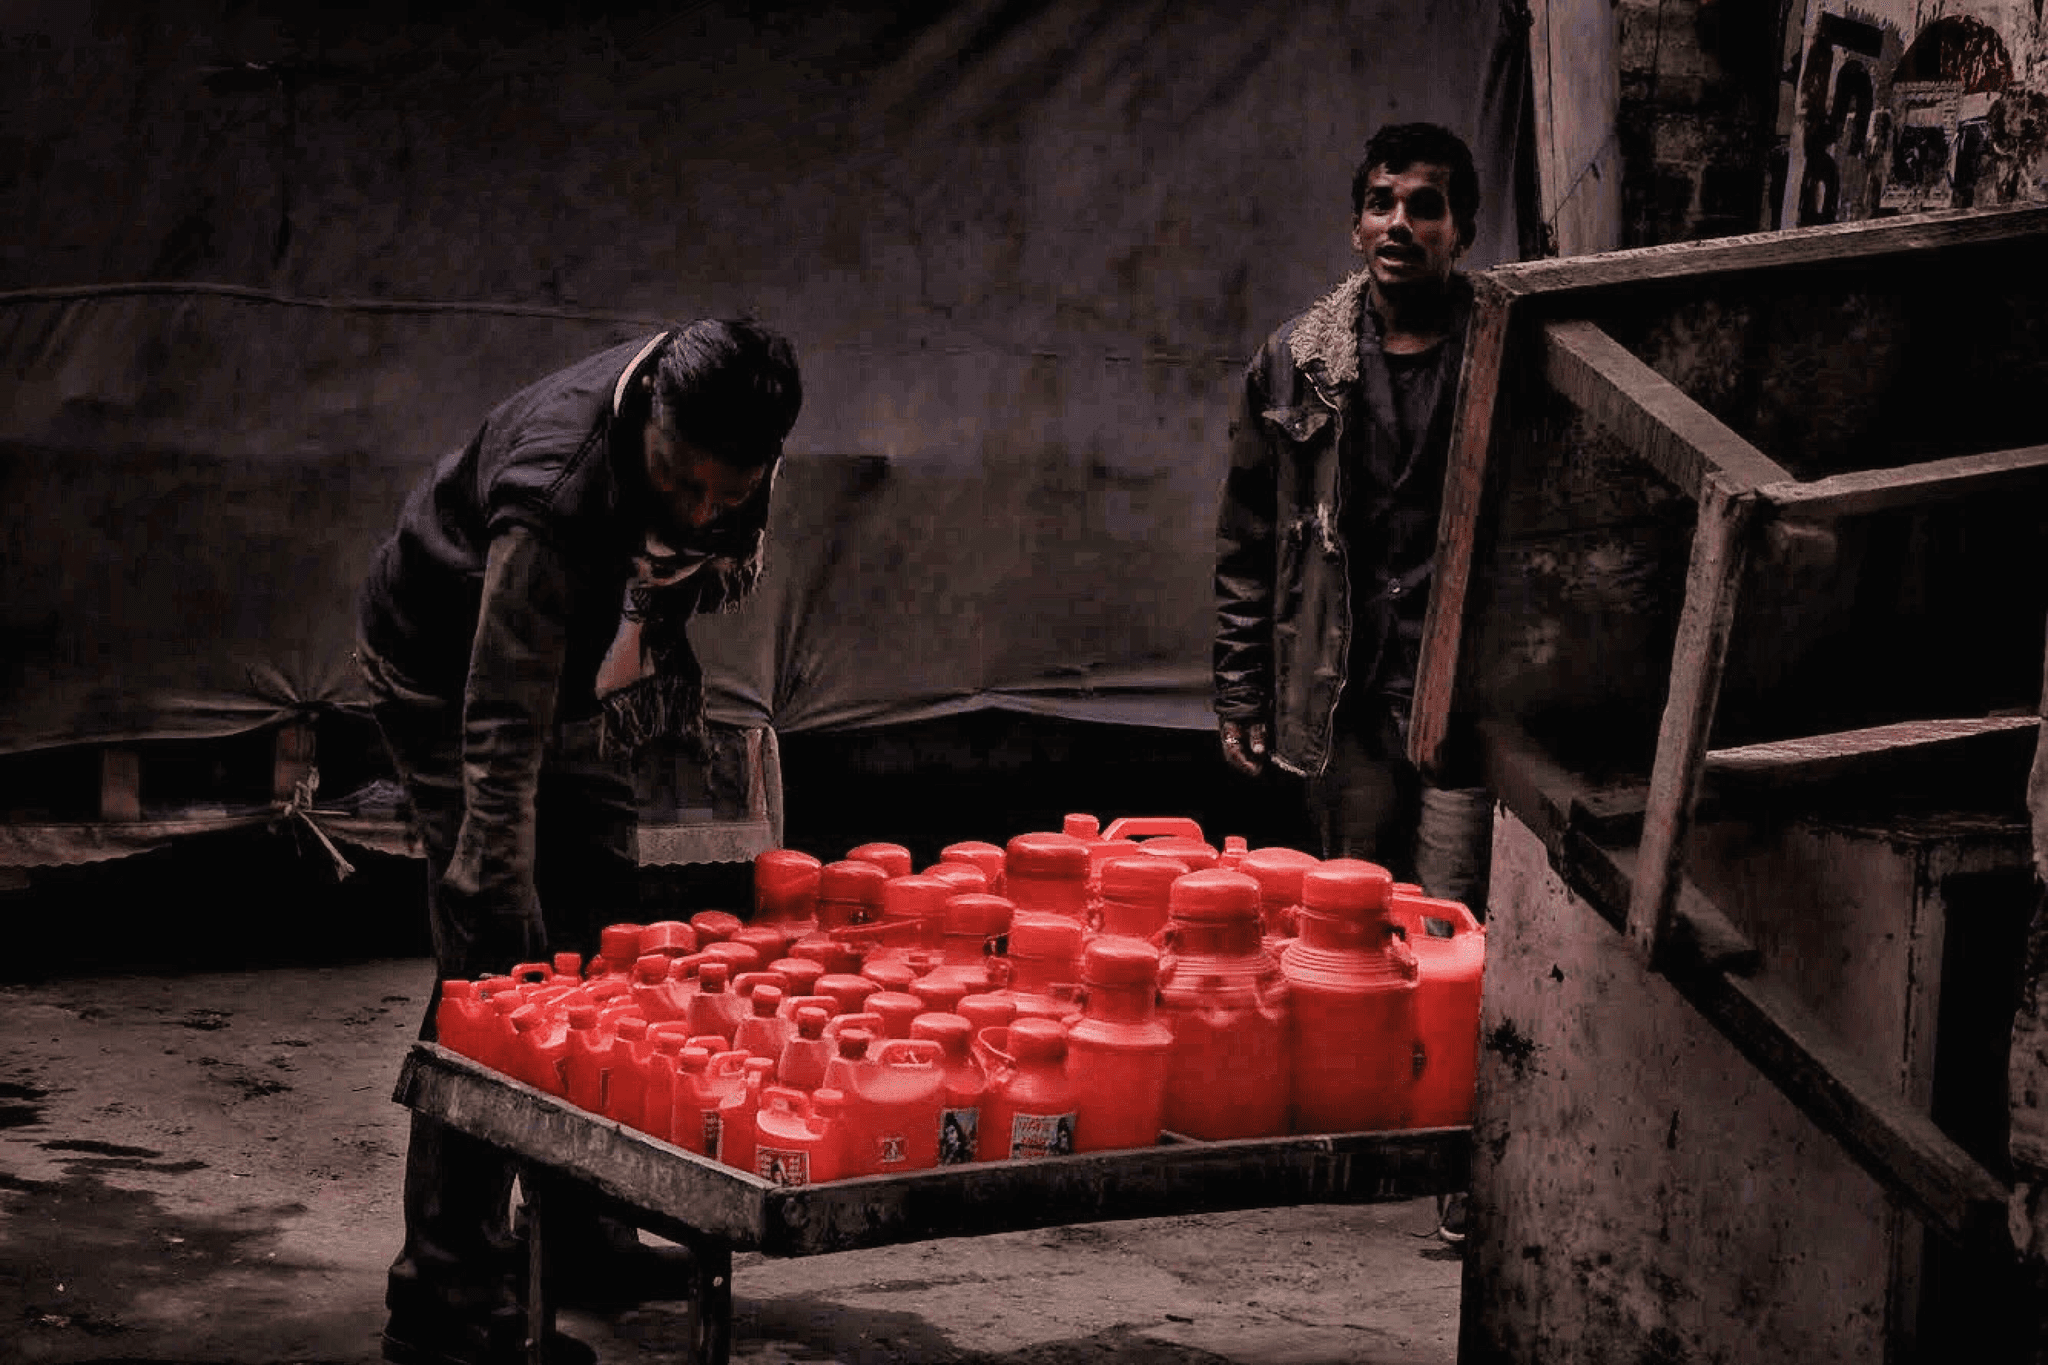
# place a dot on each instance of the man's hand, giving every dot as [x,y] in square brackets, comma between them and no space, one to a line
[1244,745]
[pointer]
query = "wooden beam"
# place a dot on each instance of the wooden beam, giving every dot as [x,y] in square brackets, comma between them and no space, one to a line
[292,758]
[1862,243]
[1863,491]
[1473,433]
[1821,757]
[120,783]
[1650,415]
[1713,579]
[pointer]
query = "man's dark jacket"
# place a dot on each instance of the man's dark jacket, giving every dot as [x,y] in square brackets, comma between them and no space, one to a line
[1327,524]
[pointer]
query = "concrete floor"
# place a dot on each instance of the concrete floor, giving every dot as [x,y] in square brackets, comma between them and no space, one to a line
[205,1167]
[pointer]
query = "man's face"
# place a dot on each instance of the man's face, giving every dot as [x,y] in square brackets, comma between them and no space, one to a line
[1405,230]
[695,488]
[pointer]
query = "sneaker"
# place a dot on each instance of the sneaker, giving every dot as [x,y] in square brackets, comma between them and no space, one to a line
[1450,1224]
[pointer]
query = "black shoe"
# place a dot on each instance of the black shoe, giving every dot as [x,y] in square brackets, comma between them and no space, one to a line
[612,1281]
[1451,1220]
[416,1343]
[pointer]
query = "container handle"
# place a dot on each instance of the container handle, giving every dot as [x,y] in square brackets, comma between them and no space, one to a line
[1147,826]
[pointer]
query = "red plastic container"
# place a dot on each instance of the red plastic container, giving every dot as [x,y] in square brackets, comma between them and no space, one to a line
[941,994]
[965,878]
[1028,1110]
[1047,874]
[972,926]
[799,1137]
[785,887]
[1355,1037]
[658,993]
[1117,1049]
[464,1020]
[829,952]
[541,1044]
[897,1009]
[713,1008]
[893,859]
[977,853]
[1132,895]
[657,1100]
[848,990]
[960,1118]
[618,949]
[1154,827]
[693,1109]
[1225,1001]
[799,974]
[626,1086]
[764,1031]
[891,974]
[802,1063]
[849,892]
[586,1067]
[1450,953]
[736,1114]
[670,937]
[767,940]
[1044,964]
[1278,871]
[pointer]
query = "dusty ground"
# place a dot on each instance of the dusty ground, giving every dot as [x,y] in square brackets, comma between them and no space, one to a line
[205,1167]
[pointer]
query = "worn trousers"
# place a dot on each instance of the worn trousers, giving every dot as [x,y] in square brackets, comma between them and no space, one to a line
[458,1257]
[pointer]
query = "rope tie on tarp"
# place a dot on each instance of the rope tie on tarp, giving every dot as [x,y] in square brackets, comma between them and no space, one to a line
[301,805]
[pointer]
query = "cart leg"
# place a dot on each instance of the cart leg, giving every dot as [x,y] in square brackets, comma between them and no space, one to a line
[540,1315]
[712,1324]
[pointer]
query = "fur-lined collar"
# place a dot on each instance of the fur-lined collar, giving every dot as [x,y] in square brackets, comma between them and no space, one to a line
[1328,331]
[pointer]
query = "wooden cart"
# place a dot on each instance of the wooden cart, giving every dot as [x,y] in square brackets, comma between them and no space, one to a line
[714,1209]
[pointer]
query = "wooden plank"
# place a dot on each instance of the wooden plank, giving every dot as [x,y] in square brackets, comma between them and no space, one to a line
[1648,413]
[1898,1146]
[1705,261]
[1473,436]
[120,784]
[960,1201]
[1529,782]
[292,758]
[1864,491]
[1713,580]
[1816,758]
[1575,81]
[624,1164]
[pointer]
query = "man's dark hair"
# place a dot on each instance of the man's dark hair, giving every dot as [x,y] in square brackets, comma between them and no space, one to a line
[1398,146]
[728,386]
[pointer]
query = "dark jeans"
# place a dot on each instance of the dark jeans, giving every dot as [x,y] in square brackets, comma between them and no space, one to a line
[457,1261]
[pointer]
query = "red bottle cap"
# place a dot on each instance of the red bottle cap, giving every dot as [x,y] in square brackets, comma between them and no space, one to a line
[693,1059]
[1194,852]
[893,859]
[569,965]
[949,1031]
[1139,879]
[981,916]
[1046,855]
[1037,1040]
[712,976]
[582,1016]
[1082,827]
[916,898]
[1346,888]
[941,995]
[653,967]
[964,878]
[767,1000]
[619,944]
[456,988]
[1278,871]
[811,1020]
[1212,897]
[766,940]
[716,926]
[853,1043]
[1119,962]
[1041,936]
[986,1011]
[631,1027]
[528,1017]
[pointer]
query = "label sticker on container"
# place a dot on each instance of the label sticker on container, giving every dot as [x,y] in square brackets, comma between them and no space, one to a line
[895,1147]
[1041,1135]
[782,1166]
[714,1128]
[958,1129]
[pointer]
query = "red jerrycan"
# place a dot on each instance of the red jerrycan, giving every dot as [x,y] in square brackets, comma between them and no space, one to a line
[849,892]
[801,1066]
[1047,873]
[894,1114]
[960,1118]
[1132,894]
[896,1009]
[798,1137]
[893,859]
[702,1088]
[657,992]
[1450,951]
[983,1012]
[540,1045]
[586,1069]
[978,853]
[964,878]
[658,1096]
[764,1031]
[785,887]
[712,1008]
[736,1115]
[913,917]
[1354,1043]
[626,1073]
[714,926]
[973,924]
[464,1021]
[1117,1049]
[1028,1110]
[891,974]
[1044,963]
[1226,1003]
[768,941]
[1278,871]
[669,938]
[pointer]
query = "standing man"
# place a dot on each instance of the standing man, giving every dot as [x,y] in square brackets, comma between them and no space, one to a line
[1327,529]
[523,635]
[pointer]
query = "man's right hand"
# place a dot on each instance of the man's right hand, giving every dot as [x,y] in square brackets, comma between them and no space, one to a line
[1245,743]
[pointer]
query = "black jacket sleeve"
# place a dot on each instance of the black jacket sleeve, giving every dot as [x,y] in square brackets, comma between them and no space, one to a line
[1245,559]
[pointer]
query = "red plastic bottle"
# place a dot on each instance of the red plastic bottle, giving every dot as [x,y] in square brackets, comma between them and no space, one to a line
[1225,1001]
[764,1031]
[1047,874]
[972,926]
[541,1045]
[1450,952]
[1278,871]
[657,992]
[626,1087]
[978,853]
[736,1115]
[1028,1110]
[657,1100]
[849,892]
[1044,964]
[798,1137]
[464,1021]
[713,1008]
[893,859]
[1133,895]
[895,1113]
[966,1082]
[1117,1049]
[1354,1041]
[785,887]
[802,1063]
[694,1105]
[586,1069]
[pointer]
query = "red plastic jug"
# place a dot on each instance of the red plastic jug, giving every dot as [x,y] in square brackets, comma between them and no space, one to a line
[586,1068]
[798,1137]
[713,1008]
[941,994]
[736,1115]
[978,853]
[984,1012]
[973,924]
[893,1118]
[1028,1110]
[626,1083]
[1044,964]
[724,1078]
[1278,871]
[965,878]
[848,990]
[894,859]
[785,886]
[802,1063]
[464,1021]
[1131,901]
[716,926]
[1354,1043]
[1117,1049]
[960,1118]
[657,1100]
[657,992]
[669,937]
[827,950]
[767,940]
[764,1032]
[849,892]
[897,1009]
[1047,874]
[1226,1002]
[618,949]
[541,1045]
[799,974]
[913,915]
[1450,952]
